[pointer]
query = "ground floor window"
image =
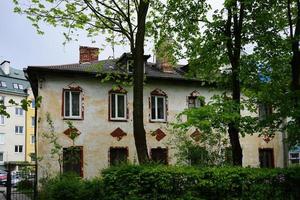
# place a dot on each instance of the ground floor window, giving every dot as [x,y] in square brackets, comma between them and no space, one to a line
[159,155]
[1,156]
[197,155]
[118,155]
[73,160]
[266,158]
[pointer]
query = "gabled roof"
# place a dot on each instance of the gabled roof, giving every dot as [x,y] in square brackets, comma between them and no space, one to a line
[15,76]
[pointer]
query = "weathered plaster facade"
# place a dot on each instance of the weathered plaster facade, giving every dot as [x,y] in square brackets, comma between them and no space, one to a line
[96,128]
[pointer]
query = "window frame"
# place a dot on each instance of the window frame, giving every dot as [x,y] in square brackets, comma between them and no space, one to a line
[19,111]
[2,118]
[71,116]
[32,122]
[2,138]
[17,130]
[117,118]
[32,139]
[17,147]
[3,84]
[156,108]
[1,152]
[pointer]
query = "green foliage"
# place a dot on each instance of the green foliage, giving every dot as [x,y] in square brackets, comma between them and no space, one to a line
[159,182]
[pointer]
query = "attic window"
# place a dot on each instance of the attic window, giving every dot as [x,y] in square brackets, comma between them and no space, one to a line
[2,84]
[130,66]
[18,86]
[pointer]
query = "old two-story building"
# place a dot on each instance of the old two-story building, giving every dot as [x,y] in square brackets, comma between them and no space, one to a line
[101,113]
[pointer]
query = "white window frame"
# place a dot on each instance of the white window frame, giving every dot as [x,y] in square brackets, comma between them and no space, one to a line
[2,138]
[18,148]
[32,122]
[71,116]
[18,130]
[15,86]
[19,112]
[21,87]
[116,106]
[156,108]
[3,84]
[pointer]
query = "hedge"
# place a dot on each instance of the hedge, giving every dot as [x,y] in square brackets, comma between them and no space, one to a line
[168,182]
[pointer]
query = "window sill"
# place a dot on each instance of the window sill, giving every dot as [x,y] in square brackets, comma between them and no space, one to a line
[118,120]
[72,118]
[157,121]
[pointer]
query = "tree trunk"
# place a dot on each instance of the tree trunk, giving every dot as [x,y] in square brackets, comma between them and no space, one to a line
[138,81]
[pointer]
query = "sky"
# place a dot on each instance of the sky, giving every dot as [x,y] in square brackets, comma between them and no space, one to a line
[22,46]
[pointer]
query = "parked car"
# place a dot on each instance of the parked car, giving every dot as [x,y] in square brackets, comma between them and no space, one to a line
[3,177]
[15,179]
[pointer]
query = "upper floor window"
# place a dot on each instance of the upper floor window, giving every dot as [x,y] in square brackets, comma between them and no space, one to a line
[32,139]
[264,110]
[2,100]
[129,66]
[118,104]
[158,105]
[19,111]
[18,86]
[72,104]
[19,129]
[194,100]
[32,121]
[1,156]
[2,84]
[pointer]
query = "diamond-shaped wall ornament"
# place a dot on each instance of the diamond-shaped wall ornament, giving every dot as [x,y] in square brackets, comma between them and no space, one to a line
[72,132]
[118,133]
[159,134]
[267,138]
[196,135]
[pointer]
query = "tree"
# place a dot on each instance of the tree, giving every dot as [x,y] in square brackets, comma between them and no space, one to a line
[214,43]
[122,19]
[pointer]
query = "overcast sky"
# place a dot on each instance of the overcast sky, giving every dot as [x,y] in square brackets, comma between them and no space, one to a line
[22,46]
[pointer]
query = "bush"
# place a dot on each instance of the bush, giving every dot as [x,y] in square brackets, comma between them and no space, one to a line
[168,182]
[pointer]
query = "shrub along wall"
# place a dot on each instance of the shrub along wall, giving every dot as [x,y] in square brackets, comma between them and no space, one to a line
[160,182]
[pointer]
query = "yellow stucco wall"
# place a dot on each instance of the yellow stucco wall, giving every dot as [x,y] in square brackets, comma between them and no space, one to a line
[29,128]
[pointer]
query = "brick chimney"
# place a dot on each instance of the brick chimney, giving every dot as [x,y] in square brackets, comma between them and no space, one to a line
[5,66]
[88,54]
[164,65]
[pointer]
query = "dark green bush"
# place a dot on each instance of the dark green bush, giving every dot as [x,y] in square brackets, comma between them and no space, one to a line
[187,183]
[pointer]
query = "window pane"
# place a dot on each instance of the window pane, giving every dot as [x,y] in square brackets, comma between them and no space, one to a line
[32,121]
[1,138]
[121,108]
[75,103]
[160,108]
[16,129]
[16,148]
[21,129]
[33,104]
[20,148]
[152,107]
[1,156]
[113,105]
[67,103]
[21,111]
[21,87]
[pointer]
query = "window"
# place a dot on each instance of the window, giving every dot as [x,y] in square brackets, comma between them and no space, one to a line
[118,106]
[32,103]
[159,155]
[18,86]
[158,108]
[72,104]
[264,110]
[73,160]
[1,119]
[1,156]
[294,158]
[18,148]
[266,158]
[32,139]
[19,111]
[32,121]
[130,66]
[19,129]
[2,135]
[197,155]
[2,84]
[2,100]
[118,155]
[194,102]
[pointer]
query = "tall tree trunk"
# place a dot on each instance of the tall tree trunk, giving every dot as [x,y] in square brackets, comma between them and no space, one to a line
[233,32]
[138,80]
